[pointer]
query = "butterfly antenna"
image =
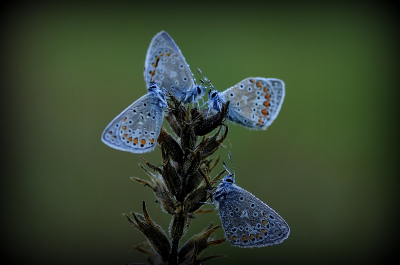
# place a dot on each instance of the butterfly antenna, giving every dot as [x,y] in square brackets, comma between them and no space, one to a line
[226,168]
[230,158]
[206,80]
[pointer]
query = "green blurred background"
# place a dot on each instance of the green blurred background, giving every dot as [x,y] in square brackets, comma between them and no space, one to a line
[327,164]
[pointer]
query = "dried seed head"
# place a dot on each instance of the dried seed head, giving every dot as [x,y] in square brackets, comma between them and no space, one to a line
[183,184]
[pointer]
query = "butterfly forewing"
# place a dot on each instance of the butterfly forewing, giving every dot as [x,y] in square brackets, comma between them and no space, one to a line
[248,222]
[137,128]
[255,101]
[166,65]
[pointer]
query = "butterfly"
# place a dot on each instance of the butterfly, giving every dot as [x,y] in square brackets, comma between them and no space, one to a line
[166,65]
[247,221]
[137,128]
[254,102]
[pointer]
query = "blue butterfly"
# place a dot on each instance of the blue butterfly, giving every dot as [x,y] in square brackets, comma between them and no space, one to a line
[136,129]
[254,102]
[166,66]
[247,221]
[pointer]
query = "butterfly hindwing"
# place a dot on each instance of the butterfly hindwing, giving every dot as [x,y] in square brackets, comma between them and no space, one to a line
[137,128]
[249,222]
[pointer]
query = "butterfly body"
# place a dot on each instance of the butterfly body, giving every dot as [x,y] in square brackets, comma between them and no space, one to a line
[255,101]
[247,221]
[166,65]
[137,128]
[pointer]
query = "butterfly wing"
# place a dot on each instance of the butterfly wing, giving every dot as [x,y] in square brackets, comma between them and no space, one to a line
[137,128]
[249,222]
[255,101]
[166,65]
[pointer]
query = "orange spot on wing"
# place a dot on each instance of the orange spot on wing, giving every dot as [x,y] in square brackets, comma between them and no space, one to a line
[130,139]
[244,238]
[125,135]
[124,119]
[252,80]
[259,84]
[264,222]
[265,215]
[168,53]
[267,97]
[265,112]
[252,236]
[124,128]
[260,120]
[234,239]
[143,141]
[156,62]
[258,235]
[152,140]
[136,140]
[153,72]
[266,103]
[263,231]
[162,54]
[266,90]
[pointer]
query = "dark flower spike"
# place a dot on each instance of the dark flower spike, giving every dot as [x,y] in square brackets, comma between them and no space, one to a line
[198,243]
[155,235]
[182,183]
